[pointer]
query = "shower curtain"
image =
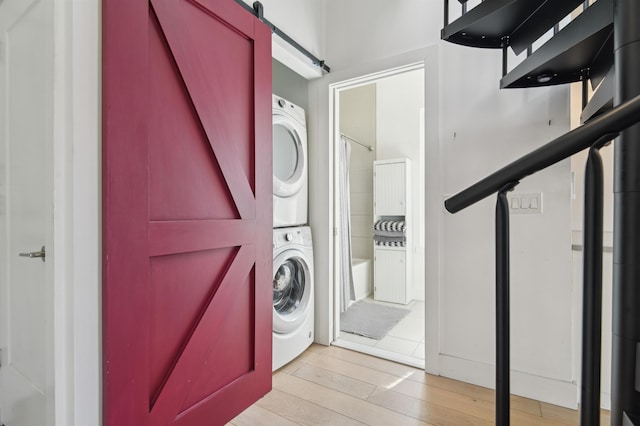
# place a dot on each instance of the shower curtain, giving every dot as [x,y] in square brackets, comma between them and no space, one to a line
[347,291]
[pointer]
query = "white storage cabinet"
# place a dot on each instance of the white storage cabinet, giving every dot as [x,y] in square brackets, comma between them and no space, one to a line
[392,265]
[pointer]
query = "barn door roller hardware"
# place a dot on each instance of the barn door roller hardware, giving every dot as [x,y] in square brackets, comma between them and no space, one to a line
[258,11]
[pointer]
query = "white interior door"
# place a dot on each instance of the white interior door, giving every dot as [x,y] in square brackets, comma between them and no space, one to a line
[26,212]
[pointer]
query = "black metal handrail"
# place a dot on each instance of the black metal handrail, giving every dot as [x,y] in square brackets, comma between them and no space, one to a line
[607,126]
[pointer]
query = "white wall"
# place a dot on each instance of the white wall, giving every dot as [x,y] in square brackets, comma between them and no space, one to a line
[399,104]
[289,85]
[491,128]
[360,31]
[482,130]
[358,120]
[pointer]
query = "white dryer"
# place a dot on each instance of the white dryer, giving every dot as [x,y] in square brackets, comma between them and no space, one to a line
[290,164]
[293,312]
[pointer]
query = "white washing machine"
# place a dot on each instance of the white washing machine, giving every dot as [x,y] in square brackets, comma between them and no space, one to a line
[290,164]
[292,293]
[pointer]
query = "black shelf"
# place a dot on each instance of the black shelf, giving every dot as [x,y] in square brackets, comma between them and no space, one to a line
[585,43]
[523,21]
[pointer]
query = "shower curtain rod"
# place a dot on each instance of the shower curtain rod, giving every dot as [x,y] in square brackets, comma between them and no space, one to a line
[258,11]
[369,147]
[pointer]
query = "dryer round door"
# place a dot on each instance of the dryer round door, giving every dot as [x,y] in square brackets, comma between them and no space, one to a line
[289,156]
[291,291]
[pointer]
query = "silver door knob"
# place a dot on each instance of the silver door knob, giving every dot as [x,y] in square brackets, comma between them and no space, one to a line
[41,254]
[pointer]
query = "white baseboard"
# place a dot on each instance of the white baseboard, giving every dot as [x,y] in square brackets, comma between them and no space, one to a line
[543,389]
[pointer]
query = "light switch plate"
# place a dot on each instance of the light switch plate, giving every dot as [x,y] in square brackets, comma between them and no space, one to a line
[525,203]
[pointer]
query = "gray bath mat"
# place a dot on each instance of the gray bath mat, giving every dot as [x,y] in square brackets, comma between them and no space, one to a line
[371,319]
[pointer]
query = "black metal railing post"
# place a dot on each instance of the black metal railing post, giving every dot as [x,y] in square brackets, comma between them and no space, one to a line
[505,55]
[502,306]
[592,293]
[625,336]
[446,13]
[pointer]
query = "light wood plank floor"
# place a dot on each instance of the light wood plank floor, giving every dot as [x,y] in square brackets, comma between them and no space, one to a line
[336,386]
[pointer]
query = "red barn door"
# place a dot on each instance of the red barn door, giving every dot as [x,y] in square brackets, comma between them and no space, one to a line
[187,213]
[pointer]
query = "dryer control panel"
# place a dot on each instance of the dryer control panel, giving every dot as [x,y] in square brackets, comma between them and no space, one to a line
[300,235]
[293,110]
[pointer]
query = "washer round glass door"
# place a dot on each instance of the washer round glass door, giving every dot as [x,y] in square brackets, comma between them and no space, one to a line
[291,291]
[288,157]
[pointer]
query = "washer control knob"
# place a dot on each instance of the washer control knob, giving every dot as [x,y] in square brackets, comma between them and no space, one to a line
[288,236]
[281,102]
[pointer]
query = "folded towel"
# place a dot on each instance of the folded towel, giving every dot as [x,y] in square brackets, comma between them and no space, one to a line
[391,243]
[390,225]
[388,233]
[380,239]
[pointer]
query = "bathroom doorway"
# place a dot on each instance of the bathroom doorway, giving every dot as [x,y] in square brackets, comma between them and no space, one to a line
[379,250]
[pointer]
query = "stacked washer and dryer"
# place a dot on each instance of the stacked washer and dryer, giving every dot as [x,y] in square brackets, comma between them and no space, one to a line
[293,313]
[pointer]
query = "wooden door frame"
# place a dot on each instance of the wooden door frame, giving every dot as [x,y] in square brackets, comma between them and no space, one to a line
[335,90]
[322,192]
[76,220]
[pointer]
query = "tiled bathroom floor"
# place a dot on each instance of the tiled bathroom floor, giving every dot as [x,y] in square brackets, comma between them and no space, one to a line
[406,338]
